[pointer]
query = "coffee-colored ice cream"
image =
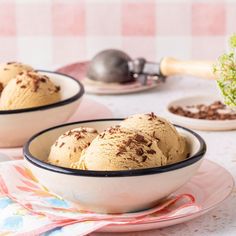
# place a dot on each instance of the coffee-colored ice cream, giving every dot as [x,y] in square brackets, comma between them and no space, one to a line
[173,146]
[68,147]
[29,90]
[121,149]
[10,70]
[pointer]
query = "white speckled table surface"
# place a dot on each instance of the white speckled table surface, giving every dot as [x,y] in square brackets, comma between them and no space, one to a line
[221,149]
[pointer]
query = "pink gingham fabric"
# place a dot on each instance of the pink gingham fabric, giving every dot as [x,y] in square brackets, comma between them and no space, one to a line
[56,32]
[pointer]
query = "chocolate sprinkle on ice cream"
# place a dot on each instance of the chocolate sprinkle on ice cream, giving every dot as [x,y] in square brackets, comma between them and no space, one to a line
[172,145]
[121,149]
[68,147]
[29,89]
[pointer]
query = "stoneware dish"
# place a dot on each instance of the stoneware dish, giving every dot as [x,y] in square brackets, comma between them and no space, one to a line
[17,126]
[110,191]
[198,124]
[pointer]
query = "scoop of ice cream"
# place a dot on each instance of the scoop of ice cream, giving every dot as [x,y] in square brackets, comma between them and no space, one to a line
[173,146]
[68,147]
[121,149]
[27,90]
[10,70]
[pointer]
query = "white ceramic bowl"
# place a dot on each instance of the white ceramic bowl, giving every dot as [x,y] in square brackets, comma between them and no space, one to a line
[17,126]
[110,191]
[198,124]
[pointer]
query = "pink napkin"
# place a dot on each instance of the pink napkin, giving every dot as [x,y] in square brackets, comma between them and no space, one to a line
[29,208]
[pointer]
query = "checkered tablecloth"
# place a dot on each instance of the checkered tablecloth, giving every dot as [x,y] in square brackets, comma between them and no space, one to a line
[56,32]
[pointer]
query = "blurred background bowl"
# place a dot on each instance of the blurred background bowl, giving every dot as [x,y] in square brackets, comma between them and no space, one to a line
[19,125]
[194,123]
[110,191]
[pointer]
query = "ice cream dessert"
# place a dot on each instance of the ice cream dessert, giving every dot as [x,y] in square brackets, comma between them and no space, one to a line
[29,89]
[172,145]
[138,142]
[121,149]
[68,147]
[10,70]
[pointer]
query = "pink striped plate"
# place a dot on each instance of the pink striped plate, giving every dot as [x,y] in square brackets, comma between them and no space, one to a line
[208,194]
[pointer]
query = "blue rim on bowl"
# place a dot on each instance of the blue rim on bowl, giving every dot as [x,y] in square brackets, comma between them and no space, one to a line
[73,98]
[121,173]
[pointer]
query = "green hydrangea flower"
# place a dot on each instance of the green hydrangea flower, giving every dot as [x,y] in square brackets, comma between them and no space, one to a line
[225,70]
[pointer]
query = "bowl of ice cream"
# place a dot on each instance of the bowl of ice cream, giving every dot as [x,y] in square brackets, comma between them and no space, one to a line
[31,101]
[109,166]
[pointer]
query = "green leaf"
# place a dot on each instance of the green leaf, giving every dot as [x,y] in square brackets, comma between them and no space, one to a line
[225,70]
[232,41]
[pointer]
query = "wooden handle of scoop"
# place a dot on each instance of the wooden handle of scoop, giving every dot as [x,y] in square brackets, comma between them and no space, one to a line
[170,66]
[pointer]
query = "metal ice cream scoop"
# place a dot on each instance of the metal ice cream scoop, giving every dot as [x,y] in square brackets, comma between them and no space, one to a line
[113,65]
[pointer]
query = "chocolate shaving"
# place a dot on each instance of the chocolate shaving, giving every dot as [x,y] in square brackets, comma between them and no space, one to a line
[57,89]
[102,135]
[1,87]
[139,151]
[128,142]
[140,138]
[78,135]
[118,153]
[144,158]
[214,111]
[74,149]
[151,116]
[113,130]
[36,79]
[161,122]
[149,145]
[11,62]
[121,150]
[18,81]
[151,151]
[61,145]
[23,86]
[21,73]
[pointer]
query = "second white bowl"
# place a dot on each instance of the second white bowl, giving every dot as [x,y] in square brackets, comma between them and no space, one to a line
[16,126]
[198,124]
